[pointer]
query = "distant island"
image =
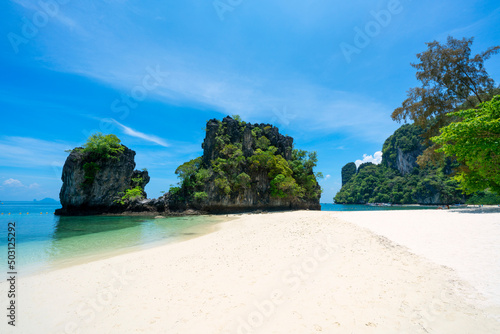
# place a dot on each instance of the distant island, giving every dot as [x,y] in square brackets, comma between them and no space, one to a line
[46,200]
[244,167]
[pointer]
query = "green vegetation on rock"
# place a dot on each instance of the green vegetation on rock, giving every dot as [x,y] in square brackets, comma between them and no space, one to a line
[245,165]
[90,170]
[200,196]
[100,178]
[406,139]
[384,183]
[102,147]
[135,192]
[348,171]
[98,148]
[451,110]
[380,184]
[132,194]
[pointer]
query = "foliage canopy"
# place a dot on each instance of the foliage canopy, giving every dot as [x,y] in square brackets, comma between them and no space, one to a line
[381,184]
[475,141]
[450,77]
[100,146]
[131,194]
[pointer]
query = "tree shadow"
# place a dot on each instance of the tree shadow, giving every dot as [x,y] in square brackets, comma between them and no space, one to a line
[478,210]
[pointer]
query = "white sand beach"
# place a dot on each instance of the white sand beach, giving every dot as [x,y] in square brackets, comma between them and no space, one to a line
[294,272]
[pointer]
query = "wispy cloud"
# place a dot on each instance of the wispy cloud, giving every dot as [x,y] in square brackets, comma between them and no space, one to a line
[203,81]
[470,29]
[32,152]
[134,133]
[55,11]
[313,107]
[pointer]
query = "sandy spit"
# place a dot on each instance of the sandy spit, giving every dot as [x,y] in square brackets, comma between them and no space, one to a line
[294,272]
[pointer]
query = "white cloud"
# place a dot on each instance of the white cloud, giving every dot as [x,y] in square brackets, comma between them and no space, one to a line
[137,134]
[328,176]
[13,183]
[376,158]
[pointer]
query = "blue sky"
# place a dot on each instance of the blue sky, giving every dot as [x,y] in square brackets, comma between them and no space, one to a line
[153,72]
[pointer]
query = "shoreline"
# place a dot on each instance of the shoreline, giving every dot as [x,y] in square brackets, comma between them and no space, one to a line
[66,257]
[302,271]
[257,210]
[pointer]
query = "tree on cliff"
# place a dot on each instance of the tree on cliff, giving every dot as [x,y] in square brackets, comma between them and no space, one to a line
[450,78]
[475,142]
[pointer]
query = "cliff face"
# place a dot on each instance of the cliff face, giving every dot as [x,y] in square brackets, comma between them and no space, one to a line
[348,171]
[243,135]
[246,167]
[401,150]
[99,189]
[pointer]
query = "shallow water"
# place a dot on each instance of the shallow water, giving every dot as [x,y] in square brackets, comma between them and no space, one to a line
[45,241]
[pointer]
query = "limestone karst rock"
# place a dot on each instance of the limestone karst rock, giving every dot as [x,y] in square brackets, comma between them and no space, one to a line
[79,196]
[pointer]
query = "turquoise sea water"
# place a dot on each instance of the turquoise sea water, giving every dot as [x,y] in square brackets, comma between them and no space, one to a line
[45,241]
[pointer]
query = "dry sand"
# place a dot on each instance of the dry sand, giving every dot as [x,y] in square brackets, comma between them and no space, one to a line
[295,272]
[461,239]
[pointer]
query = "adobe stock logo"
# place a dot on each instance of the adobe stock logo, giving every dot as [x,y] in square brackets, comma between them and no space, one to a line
[30,28]
[372,29]
[223,6]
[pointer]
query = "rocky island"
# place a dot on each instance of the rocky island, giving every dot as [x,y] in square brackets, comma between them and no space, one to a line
[399,179]
[101,178]
[244,167]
